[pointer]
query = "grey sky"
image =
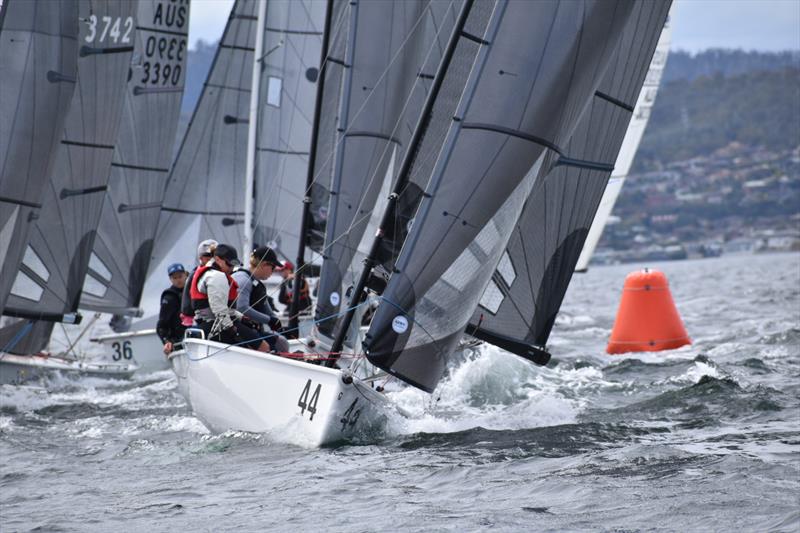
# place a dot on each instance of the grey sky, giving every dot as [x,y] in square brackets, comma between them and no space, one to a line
[697,24]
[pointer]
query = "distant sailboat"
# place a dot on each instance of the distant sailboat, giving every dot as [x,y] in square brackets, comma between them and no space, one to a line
[641,116]
[48,282]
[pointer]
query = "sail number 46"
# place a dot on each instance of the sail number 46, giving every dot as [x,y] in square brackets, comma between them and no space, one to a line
[306,404]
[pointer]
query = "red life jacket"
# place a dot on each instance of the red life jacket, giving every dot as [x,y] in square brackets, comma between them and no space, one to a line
[200,299]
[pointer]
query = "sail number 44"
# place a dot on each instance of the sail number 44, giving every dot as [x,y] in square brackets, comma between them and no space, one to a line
[306,404]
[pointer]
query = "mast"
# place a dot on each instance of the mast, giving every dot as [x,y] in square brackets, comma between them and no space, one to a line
[252,130]
[301,248]
[402,180]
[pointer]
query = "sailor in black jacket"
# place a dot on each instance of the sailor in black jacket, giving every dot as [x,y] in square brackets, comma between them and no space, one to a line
[169,327]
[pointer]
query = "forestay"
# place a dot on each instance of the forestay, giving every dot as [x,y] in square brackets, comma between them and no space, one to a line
[141,160]
[393,50]
[39,62]
[205,191]
[292,47]
[520,304]
[48,283]
[630,144]
[521,75]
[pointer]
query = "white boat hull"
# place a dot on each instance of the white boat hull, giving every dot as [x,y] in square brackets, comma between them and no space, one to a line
[17,369]
[142,347]
[233,388]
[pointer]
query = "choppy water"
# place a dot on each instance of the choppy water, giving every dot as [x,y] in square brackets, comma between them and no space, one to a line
[706,437]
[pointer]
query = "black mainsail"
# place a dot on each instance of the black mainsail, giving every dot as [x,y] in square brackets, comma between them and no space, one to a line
[51,275]
[39,62]
[520,77]
[520,304]
[393,49]
[142,158]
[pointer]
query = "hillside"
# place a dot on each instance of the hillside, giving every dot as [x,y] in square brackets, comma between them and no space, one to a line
[696,117]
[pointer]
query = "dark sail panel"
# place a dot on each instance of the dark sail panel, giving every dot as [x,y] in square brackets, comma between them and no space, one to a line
[533,68]
[333,72]
[292,47]
[48,283]
[142,158]
[205,191]
[391,54]
[526,291]
[39,62]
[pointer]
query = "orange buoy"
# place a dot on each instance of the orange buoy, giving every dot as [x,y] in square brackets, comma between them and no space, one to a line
[647,320]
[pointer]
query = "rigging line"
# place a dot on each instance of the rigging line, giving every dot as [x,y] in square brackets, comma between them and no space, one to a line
[339,139]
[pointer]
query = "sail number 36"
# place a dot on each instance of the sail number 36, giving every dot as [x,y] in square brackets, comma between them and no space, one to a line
[122,350]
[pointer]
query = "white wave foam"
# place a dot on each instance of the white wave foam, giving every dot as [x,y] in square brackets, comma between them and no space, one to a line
[495,390]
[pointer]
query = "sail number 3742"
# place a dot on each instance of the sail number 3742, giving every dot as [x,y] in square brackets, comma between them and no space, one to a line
[107,29]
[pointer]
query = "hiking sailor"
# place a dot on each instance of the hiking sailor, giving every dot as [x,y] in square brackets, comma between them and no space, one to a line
[252,300]
[203,256]
[169,327]
[213,292]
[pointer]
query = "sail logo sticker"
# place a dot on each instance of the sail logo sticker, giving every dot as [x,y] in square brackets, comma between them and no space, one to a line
[400,324]
[334,298]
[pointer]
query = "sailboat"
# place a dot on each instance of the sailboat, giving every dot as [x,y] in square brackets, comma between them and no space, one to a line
[641,116]
[139,171]
[47,282]
[240,174]
[495,124]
